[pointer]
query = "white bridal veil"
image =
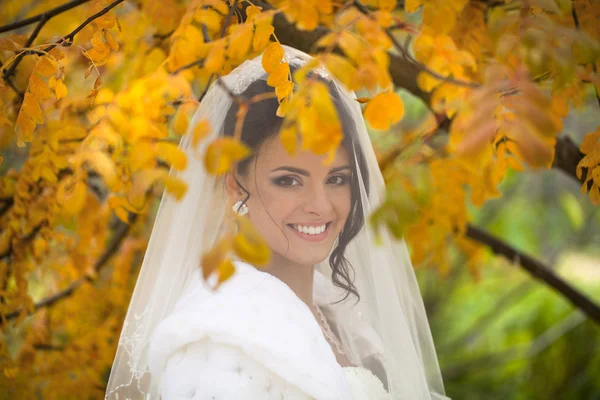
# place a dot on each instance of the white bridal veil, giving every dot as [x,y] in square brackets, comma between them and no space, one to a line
[386,331]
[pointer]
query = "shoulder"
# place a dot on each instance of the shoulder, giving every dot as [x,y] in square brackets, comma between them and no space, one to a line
[260,316]
[209,370]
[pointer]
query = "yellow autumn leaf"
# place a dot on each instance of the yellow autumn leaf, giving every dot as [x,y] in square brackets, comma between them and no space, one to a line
[110,40]
[240,40]
[46,66]
[272,57]
[342,69]
[31,107]
[171,153]
[590,142]
[60,89]
[216,57]
[252,12]
[98,42]
[226,269]
[351,45]
[209,17]
[39,87]
[180,122]
[71,196]
[222,153]
[175,186]
[284,90]
[25,127]
[211,259]
[101,163]
[384,110]
[279,75]
[387,5]
[289,139]
[262,35]
[249,245]
[201,130]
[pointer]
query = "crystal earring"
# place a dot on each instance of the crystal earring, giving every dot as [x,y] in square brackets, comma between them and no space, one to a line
[240,208]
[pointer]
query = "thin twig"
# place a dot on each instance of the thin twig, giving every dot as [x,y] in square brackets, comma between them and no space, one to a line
[48,14]
[200,63]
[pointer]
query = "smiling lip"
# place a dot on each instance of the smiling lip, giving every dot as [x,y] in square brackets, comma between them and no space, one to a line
[313,238]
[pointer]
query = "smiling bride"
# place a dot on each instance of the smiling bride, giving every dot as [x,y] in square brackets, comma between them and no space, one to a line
[335,314]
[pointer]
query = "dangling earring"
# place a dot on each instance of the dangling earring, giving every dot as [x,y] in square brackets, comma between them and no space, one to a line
[240,208]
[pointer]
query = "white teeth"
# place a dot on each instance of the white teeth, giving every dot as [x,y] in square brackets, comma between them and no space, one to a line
[310,230]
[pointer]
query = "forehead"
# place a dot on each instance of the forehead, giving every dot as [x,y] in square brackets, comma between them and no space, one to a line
[272,154]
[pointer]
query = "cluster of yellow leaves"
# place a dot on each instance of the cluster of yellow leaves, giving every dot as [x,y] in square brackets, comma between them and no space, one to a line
[131,125]
[308,14]
[218,53]
[439,15]
[311,117]
[442,215]
[39,89]
[521,124]
[362,38]
[440,54]
[590,146]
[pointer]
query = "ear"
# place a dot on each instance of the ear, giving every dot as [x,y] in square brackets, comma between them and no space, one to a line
[233,190]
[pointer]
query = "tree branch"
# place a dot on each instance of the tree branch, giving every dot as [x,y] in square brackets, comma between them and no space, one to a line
[120,234]
[65,41]
[538,270]
[47,14]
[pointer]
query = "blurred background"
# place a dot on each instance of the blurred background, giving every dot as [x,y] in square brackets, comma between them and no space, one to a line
[507,335]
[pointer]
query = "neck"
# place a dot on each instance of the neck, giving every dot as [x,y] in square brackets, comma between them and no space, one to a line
[298,277]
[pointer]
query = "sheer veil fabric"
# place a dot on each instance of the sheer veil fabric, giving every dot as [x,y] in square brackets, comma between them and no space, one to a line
[386,331]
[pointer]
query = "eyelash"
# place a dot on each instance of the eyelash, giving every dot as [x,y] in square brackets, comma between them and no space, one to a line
[279,181]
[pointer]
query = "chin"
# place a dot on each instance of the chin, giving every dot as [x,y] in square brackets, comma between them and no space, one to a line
[308,256]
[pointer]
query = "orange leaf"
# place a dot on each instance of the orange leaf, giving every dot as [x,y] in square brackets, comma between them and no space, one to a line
[175,186]
[272,57]
[279,75]
[25,128]
[111,40]
[249,245]
[222,153]
[384,110]
[215,58]
[212,258]
[60,89]
[46,66]
[262,35]
[226,270]
[171,153]
[31,107]
[201,130]
[38,87]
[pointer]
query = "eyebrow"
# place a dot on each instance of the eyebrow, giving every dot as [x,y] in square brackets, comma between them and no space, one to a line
[305,172]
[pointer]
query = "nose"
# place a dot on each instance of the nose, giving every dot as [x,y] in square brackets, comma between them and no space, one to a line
[318,201]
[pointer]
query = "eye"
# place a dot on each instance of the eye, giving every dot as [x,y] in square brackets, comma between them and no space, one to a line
[286,181]
[339,180]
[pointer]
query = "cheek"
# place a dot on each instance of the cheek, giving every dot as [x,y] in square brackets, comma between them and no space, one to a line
[271,207]
[342,204]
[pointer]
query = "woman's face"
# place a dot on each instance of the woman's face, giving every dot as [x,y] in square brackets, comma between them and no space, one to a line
[298,198]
